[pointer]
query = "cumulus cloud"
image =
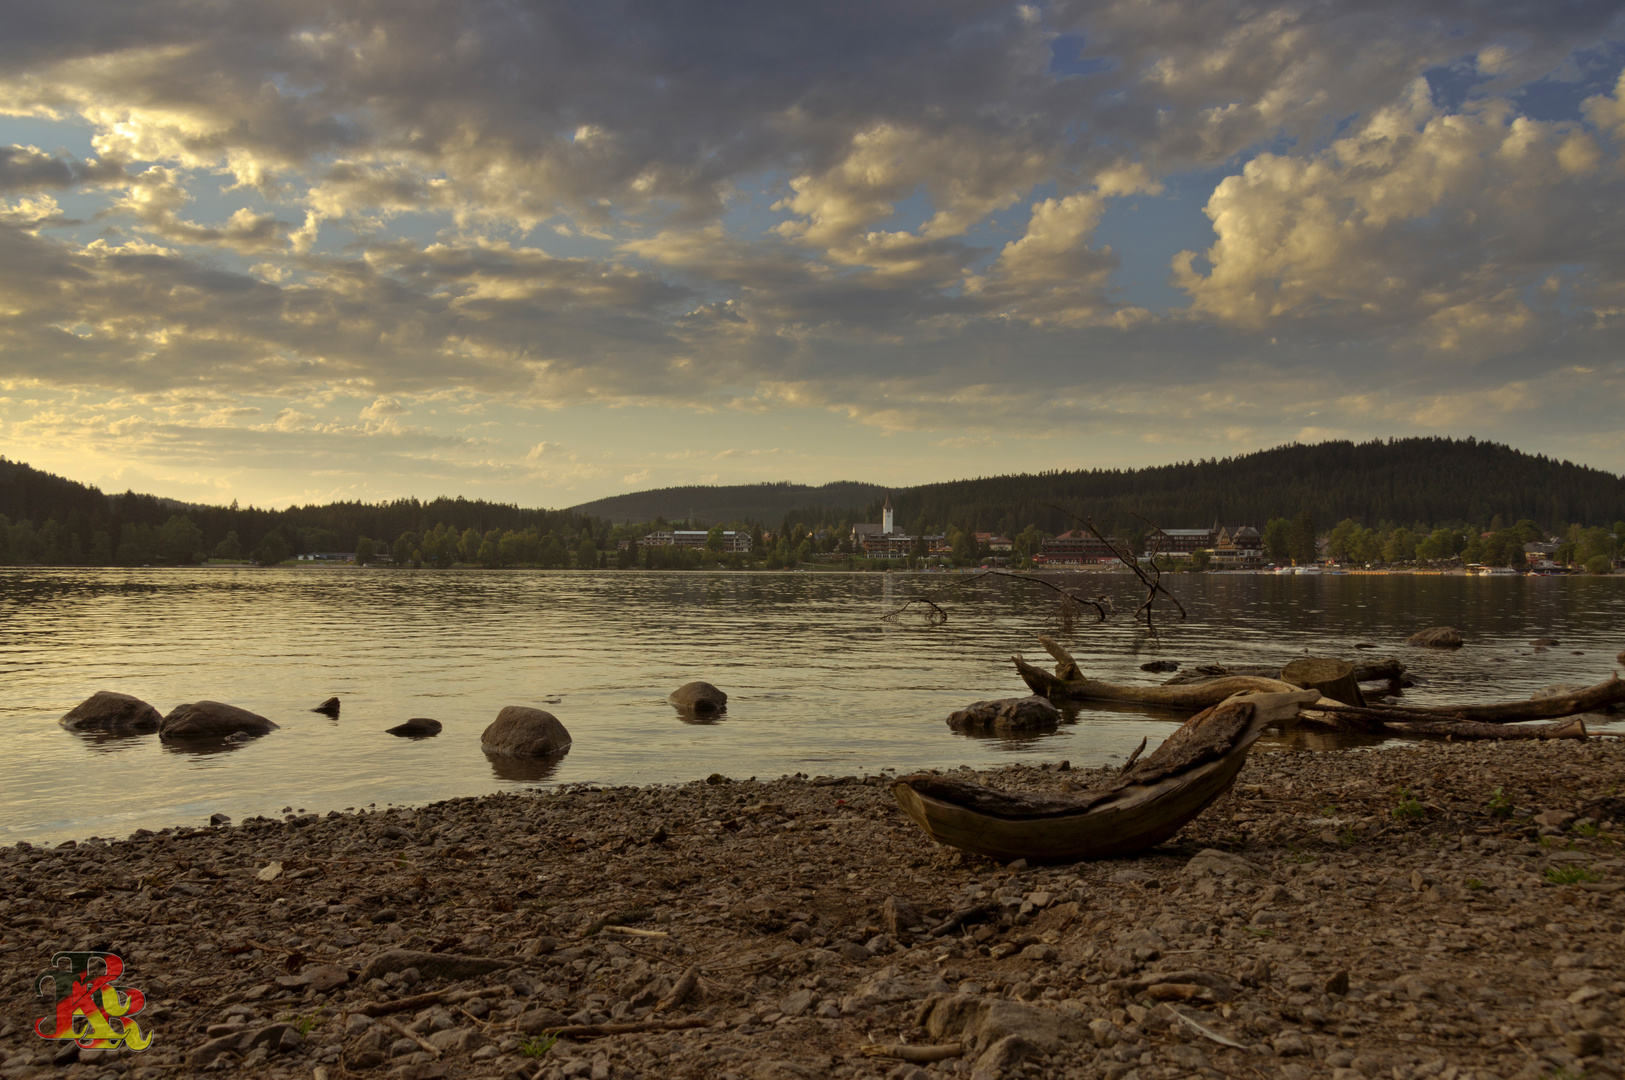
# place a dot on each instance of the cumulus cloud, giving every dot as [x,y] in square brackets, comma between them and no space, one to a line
[915,217]
[1422,221]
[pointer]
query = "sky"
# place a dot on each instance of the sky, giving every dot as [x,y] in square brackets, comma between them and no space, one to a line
[297,251]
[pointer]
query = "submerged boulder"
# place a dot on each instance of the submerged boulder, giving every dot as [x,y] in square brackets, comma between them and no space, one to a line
[419,727]
[1031,713]
[212,719]
[330,707]
[1161,666]
[520,731]
[1437,637]
[106,710]
[698,696]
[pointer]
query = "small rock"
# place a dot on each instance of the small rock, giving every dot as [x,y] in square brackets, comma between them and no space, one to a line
[270,872]
[1160,666]
[1338,983]
[1212,861]
[211,719]
[525,732]
[700,697]
[1545,642]
[1006,1054]
[1031,713]
[1584,1043]
[1437,637]
[1555,818]
[898,915]
[219,819]
[537,1021]
[419,727]
[330,707]
[1289,1044]
[327,977]
[106,710]
[1042,952]
[798,1003]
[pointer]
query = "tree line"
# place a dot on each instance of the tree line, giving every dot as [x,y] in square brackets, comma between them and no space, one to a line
[1475,487]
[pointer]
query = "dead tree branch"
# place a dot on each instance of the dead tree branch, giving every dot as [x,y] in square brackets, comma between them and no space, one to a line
[1152,582]
[936,616]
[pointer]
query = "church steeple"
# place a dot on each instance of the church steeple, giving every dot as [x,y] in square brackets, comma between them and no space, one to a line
[886,517]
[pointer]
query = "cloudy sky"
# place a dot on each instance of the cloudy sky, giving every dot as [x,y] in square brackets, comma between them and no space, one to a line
[298,250]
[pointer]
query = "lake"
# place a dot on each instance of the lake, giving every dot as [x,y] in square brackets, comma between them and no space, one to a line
[818,682]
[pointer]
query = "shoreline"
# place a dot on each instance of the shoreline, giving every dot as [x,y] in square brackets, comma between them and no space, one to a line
[1298,917]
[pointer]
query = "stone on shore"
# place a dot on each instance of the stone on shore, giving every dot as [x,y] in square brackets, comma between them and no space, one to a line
[1000,715]
[211,719]
[698,696]
[1437,637]
[106,710]
[520,731]
[419,727]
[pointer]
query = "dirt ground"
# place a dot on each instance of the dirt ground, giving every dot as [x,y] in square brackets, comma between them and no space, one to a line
[1442,910]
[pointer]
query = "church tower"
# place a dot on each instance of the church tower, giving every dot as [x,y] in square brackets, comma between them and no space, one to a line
[885,518]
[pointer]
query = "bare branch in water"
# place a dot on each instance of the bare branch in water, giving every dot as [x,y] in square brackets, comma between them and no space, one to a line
[1152,582]
[936,616]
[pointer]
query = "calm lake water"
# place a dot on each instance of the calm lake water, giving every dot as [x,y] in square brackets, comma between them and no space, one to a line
[817,682]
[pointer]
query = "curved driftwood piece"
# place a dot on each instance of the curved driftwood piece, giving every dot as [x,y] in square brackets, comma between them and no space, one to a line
[1140,807]
[1194,697]
[1591,699]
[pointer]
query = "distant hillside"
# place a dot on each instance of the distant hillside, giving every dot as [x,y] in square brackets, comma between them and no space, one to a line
[1430,480]
[766,503]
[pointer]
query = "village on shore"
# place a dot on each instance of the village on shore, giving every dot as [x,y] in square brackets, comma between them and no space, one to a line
[1283,547]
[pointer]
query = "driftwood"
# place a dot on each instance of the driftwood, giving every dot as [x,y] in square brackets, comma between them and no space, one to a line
[1139,808]
[1591,699]
[1455,721]
[1191,698]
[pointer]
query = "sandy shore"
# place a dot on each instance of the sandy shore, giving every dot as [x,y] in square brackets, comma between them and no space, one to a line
[784,930]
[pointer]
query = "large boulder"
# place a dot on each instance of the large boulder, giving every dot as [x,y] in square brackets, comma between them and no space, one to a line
[698,697]
[1437,637]
[212,720]
[106,710]
[520,731]
[1003,715]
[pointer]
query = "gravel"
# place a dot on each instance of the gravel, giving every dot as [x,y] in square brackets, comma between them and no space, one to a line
[1413,911]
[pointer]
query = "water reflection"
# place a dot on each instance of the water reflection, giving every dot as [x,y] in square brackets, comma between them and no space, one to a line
[525,770]
[209,746]
[111,742]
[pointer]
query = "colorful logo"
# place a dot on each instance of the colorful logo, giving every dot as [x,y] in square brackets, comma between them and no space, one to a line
[90,1010]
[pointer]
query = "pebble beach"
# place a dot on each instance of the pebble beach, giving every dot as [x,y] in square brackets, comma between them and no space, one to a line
[1423,910]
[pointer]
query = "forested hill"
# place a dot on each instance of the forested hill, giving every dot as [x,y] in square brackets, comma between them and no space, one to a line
[736,502]
[48,518]
[1404,481]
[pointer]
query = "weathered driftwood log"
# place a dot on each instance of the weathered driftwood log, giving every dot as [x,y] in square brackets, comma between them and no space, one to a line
[1065,666]
[1573,728]
[1587,699]
[1195,697]
[1333,678]
[1140,807]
